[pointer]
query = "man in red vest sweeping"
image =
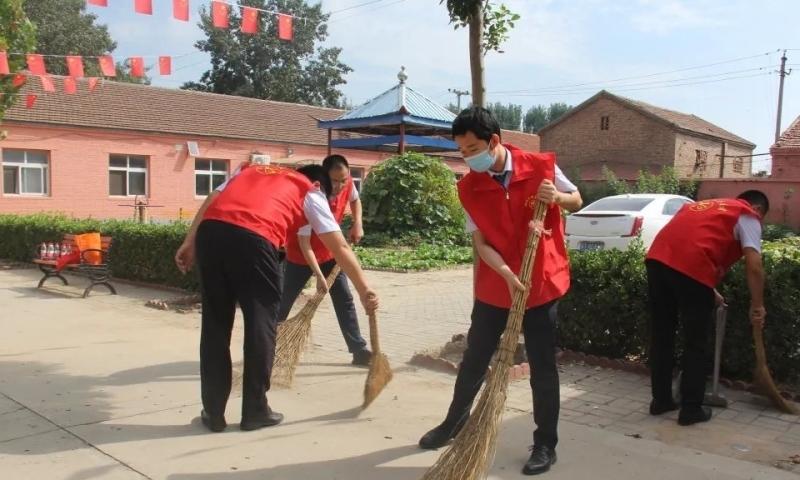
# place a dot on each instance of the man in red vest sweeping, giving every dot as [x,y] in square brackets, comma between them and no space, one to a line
[235,237]
[306,254]
[498,195]
[687,260]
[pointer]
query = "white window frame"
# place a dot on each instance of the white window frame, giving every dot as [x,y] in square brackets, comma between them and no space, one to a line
[358,181]
[128,170]
[44,171]
[210,173]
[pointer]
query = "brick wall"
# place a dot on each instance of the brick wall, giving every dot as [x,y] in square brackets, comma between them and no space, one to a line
[786,163]
[631,142]
[79,173]
[700,157]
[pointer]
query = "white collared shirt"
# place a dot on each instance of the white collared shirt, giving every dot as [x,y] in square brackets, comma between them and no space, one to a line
[562,183]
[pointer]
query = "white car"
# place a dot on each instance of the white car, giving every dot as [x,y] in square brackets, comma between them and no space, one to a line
[614,222]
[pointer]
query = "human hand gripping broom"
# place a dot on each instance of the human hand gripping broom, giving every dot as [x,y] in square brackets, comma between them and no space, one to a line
[472,452]
[293,336]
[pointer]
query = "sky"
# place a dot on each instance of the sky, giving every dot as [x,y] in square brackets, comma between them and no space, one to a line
[716,59]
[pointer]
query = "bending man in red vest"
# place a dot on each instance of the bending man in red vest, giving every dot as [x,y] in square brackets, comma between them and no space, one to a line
[235,237]
[498,195]
[305,254]
[687,260]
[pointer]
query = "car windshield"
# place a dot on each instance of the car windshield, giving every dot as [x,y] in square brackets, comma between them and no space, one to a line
[620,204]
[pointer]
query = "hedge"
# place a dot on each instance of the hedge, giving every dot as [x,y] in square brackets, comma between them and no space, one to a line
[605,312]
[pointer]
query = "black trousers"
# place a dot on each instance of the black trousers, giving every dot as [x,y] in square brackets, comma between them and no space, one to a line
[675,297]
[295,278]
[539,329]
[236,265]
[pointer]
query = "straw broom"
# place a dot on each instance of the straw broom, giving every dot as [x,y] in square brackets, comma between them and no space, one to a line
[380,373]
[762,378]
[472,451]
[293,336]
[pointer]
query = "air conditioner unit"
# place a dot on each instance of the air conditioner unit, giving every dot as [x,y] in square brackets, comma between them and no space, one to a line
[259,159]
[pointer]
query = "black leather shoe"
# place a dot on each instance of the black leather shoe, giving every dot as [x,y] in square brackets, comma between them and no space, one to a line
[690,416]
[657,408]
[269,420]
[540,460]
[215,424]
[362,357]
[441,435]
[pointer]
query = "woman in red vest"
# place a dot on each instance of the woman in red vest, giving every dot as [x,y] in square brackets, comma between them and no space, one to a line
[687,260]
[498,195]
[235,237]
[305,254]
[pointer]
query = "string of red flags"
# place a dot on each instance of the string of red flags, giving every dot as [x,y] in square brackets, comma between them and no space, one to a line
[220,15]
[75,64]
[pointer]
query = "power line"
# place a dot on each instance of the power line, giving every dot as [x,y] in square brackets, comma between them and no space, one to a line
[696,67]
[355,6]
[338,19]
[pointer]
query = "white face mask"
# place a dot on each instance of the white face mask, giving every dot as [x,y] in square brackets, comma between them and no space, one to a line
[481,162]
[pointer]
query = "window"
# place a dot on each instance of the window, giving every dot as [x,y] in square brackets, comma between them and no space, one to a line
[700,161]
[604,121]
[620,204]
[672,205]
[208,175]
[127,175]
[25,172]
[738,164]
[357,174]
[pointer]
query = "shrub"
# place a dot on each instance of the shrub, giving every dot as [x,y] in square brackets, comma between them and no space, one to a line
[412,198]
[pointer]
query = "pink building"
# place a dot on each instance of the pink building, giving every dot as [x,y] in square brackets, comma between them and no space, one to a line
[782,187]
[94,154]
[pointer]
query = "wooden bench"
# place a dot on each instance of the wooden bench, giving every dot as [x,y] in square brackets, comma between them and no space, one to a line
[98,273]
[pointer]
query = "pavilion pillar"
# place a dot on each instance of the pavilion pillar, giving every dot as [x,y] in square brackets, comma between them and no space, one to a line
[401,145]
[329,141]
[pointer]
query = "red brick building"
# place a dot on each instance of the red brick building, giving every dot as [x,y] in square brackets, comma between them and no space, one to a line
[92,154]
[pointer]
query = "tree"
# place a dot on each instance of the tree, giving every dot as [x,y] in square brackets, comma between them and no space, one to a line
[509,116]
[17,34]
[64,28]
[538,116]
[263,66]
[489,27]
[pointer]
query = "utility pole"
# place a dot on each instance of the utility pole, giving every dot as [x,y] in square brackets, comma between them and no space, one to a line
[782,74]
[458,93]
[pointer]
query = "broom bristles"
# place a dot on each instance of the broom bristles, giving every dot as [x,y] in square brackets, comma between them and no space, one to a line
[293,335]
[472,452]
[763,379]
[380,372]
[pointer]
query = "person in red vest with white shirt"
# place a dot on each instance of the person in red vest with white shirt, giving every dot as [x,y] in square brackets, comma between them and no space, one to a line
[305,254]
[235,237]
[687,260]
[498,195]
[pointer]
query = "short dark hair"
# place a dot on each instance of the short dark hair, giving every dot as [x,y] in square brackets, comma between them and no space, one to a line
[755,198]
[316,173]
[477,120]
[335,160]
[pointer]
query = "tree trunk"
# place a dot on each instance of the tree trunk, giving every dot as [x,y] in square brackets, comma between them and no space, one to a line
[476,56]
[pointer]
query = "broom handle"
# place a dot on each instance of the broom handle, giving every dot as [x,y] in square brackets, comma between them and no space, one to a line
[316,299]
[373,334]
[758,342]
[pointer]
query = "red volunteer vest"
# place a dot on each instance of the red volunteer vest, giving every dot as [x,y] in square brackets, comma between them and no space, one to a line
[338,206]
[503,216]
[699,241]
[265,199]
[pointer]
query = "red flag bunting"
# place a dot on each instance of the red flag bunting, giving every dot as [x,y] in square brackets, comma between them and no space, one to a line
[70,87]
[18,80]
[75,65]
[219,14]
[47,83]
[165,65]
[98,3]
[285,27]
[4,70]
[137,66]
[249,20]
[180,10]
[93,81]
[30,100]
[107,67]
[144,6]
[36,64]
